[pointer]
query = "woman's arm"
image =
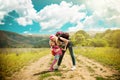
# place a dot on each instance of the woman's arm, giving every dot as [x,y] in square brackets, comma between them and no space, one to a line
[65,41]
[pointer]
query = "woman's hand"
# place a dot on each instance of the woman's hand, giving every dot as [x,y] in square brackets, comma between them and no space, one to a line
[64,49]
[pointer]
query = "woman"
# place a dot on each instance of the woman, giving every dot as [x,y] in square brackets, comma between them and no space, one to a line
[60,41]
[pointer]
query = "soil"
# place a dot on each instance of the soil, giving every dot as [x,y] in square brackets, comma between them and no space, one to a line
[86,69]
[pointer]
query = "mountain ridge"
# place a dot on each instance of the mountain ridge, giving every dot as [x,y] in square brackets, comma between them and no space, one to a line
[12,39]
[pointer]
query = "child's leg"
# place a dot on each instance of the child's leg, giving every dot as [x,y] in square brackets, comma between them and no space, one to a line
[51,67]
[53,63]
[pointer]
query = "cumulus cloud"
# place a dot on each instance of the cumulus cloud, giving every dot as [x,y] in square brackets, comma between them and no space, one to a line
[24,21]
[103,7]
[55,16]
[79,26]
[114,20]
[23,7]
[106,10]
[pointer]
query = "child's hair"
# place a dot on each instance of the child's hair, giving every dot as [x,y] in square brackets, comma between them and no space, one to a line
[51,42]
[51,37]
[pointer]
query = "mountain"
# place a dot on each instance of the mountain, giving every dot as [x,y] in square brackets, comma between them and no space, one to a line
[15,40]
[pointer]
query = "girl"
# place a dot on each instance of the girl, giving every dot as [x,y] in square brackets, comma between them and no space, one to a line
[56,51]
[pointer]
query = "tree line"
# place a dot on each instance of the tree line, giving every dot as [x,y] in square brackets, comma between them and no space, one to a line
[109,38]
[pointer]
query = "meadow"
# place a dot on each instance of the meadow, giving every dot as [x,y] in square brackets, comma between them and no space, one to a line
[13,59]
[108,56]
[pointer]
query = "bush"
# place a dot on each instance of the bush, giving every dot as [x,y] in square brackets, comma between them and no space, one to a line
[99,43]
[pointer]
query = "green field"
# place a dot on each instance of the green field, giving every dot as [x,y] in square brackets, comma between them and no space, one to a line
[12,60]
[105,55]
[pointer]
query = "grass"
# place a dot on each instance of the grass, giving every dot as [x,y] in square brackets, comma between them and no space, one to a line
[12,60]
[63,66]
[101,78]
[43,76]
[106,55]
[47,75]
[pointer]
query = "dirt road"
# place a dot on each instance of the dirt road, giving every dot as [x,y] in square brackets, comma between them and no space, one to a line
[86,70]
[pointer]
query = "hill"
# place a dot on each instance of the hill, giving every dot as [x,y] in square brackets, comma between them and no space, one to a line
[15,40]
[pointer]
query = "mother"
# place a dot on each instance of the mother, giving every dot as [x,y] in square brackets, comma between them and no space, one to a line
[62,40]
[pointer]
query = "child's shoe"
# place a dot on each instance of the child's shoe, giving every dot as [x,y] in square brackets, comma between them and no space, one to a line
[51,69]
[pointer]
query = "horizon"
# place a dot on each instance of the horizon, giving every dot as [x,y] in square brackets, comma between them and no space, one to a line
[89,32]
[48,17]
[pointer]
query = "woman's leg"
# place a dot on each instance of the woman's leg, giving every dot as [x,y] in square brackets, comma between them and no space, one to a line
[60,58]
[71,53]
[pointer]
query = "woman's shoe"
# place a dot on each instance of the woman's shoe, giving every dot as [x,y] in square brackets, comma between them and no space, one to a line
[56,67]
[73,68]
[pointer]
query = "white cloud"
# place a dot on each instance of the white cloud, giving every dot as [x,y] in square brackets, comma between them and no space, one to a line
[2,14]
[105,10]
[89,21]
[23,7]
[79,26]
[1,23]
[114,20]
[102,8]
[24,21]
[114,28]
[102,29]
[55,16]
[25,32]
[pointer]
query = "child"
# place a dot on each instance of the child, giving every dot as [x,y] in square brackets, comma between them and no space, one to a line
[56,51]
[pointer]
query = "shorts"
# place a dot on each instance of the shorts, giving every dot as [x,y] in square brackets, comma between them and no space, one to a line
[57,56]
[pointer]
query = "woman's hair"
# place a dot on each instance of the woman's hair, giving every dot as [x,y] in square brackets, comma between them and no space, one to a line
[58,33]
[62,34]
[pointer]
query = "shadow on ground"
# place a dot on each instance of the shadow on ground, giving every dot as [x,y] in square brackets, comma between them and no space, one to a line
[47,71]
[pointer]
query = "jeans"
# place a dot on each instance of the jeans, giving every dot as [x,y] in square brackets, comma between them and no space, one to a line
[69,46]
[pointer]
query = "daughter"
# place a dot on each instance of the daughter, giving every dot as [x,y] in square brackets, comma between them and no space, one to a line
[55,50]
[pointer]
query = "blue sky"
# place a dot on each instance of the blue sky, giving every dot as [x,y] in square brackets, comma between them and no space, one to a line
[49,16]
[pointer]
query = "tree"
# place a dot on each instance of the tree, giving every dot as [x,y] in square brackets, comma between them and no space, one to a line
[99,43]
[116,38]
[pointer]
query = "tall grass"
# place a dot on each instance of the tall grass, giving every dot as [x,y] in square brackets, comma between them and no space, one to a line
[12,60]
[106,55]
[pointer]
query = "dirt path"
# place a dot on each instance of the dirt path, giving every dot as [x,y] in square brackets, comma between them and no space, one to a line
[86,70]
